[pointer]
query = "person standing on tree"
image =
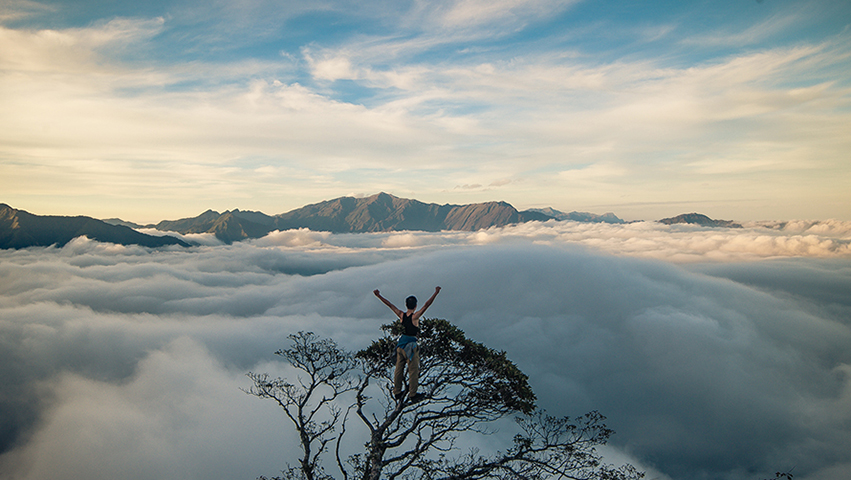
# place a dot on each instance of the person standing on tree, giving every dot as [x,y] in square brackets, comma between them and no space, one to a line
[407,350]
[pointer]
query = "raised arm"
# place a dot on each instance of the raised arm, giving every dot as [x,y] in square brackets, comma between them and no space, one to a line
[387,302]
[427,304]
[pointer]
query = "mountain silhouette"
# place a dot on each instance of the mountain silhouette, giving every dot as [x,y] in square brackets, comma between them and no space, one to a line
[579,216]
[21,229]
[384,212]
[229,227]
[699,219]
[378,213]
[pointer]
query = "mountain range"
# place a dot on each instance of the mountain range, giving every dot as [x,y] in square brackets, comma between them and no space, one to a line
[378,213]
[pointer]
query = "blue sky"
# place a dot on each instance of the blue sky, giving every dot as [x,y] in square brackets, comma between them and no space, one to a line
[162,109]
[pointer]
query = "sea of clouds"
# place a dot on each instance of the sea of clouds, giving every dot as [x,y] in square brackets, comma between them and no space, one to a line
[714,353]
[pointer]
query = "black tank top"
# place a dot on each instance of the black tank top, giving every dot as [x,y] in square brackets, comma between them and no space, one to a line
[408,327]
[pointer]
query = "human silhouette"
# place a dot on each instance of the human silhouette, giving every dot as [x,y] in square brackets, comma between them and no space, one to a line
[407,350]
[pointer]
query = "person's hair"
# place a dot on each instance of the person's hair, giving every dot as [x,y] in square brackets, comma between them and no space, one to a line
[411,302]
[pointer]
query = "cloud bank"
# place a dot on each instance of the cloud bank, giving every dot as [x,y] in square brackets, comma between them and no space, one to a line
[679,243]
[122,361]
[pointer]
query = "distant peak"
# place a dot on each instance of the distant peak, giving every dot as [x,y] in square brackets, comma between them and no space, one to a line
[695,218]
[382,196]
[585,217]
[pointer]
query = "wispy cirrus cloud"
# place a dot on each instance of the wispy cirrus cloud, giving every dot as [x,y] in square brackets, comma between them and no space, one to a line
[382,102]
[484,16]
[12,10]
[76,50]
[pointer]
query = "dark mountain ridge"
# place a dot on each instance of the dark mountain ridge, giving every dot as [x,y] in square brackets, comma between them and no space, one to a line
[699,219]
[228,227]
[377,213]
[575,216]
[384,212]
[21,229]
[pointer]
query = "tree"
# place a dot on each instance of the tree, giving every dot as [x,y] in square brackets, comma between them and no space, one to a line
[467,387]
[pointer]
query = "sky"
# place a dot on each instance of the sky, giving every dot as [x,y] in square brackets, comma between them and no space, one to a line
[738,109]
[720,354]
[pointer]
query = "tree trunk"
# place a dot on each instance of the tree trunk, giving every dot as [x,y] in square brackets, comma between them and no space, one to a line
[376,458]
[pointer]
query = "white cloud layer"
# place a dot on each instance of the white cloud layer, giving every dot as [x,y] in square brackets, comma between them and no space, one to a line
[123,361]
[678,243]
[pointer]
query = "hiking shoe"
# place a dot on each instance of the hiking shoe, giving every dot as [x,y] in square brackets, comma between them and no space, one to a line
[399,396]
[417,398]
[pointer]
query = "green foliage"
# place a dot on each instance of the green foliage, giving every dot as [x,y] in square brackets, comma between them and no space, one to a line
[487,376]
